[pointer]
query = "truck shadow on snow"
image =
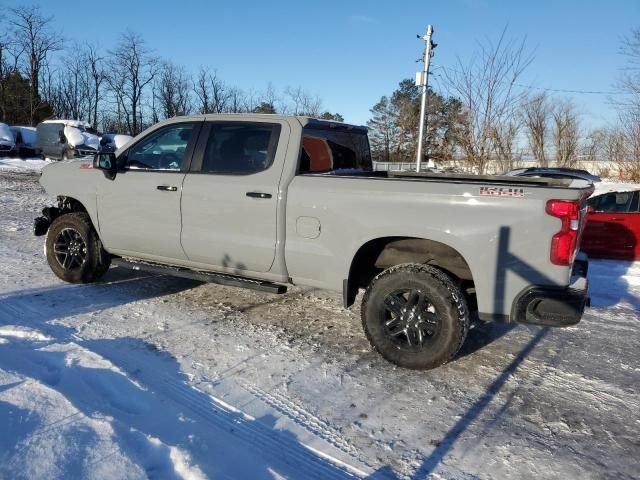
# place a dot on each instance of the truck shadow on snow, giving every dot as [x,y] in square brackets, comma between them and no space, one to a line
[444,446]
[506,264]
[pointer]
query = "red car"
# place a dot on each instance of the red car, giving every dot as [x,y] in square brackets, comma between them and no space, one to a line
[613,223]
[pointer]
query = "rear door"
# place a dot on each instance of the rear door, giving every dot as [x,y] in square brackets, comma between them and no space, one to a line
[613,226]
[139,210]
[230,195]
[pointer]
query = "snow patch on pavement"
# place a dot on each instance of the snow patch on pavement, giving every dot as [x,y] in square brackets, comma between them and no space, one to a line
[26,165]
[23,333]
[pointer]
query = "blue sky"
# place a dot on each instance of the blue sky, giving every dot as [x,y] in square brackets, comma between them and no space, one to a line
[352,52]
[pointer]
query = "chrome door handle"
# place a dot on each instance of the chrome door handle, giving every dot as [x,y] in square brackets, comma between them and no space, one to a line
[167,188]
[258,195]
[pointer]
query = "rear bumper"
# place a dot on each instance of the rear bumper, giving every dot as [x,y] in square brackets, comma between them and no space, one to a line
[555,306]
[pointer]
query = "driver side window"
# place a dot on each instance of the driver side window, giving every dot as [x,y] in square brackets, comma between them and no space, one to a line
[164,149]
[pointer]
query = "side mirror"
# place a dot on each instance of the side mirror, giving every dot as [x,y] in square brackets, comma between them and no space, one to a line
[590,209]
[106,161]
[61,137]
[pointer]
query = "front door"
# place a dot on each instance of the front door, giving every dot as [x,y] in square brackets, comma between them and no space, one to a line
[139,210]
[230,196]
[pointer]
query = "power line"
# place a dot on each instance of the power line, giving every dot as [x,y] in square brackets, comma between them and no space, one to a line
[547,89]
[563,90]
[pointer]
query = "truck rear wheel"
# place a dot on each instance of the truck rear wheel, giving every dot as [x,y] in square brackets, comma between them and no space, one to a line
[74,251]
[415,316]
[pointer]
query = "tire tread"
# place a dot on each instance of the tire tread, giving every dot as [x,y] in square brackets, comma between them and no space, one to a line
[455,298]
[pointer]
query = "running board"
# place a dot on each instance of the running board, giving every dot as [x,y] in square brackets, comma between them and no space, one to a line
[219,278]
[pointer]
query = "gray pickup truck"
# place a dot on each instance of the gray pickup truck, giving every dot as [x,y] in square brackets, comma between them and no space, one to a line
[266,201]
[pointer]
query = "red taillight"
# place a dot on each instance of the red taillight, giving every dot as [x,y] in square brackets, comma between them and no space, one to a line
[564,243]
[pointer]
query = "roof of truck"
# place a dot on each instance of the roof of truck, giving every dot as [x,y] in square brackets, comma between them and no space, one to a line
[303,119]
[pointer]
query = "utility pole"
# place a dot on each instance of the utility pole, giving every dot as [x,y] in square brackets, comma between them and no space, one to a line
[422,80]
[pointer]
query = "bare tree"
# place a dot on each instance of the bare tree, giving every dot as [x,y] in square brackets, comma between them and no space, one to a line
[211,92]
[631,128]
[96,70]
[566,134]
[614,146]
[300,102]
[11,50]
[201,91]
[629,82]
[173,90]
[504,143]
[486,85]
[33,33]
[593,146]
[132,68]
[270,97]
[69,91]
[221,95]
[536,113]
[10,54]
[236,100]
[629,108]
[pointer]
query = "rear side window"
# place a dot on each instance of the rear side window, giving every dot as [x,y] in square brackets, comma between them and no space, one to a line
[326,150]
[240,148]
[615,202]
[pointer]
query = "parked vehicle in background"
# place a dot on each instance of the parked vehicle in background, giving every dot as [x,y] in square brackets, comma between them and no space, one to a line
[110,142]
[264,201]
[64,139]
[7,142]
[613,222]
[554,173]
[26,141]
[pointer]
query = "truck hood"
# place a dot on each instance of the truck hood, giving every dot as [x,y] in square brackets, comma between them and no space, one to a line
[58,176]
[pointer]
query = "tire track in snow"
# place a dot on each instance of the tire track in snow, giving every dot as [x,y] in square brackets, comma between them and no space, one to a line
[303,417]
[207,408]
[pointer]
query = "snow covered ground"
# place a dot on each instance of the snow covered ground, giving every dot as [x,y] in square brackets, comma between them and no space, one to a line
[150,376]
[22,165]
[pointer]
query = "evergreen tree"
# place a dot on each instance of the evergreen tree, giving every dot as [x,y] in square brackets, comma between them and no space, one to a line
[394,125]
[332,116]
[265,107]
[383,130]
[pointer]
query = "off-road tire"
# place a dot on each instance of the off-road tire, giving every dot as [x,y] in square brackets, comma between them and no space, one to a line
[446,306]
[95,260]
[104,262]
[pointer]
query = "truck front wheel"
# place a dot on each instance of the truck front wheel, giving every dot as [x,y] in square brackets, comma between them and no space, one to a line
[415,316]
[74,251]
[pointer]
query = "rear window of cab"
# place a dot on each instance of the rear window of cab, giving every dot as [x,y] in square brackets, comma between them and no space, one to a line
[327,150]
